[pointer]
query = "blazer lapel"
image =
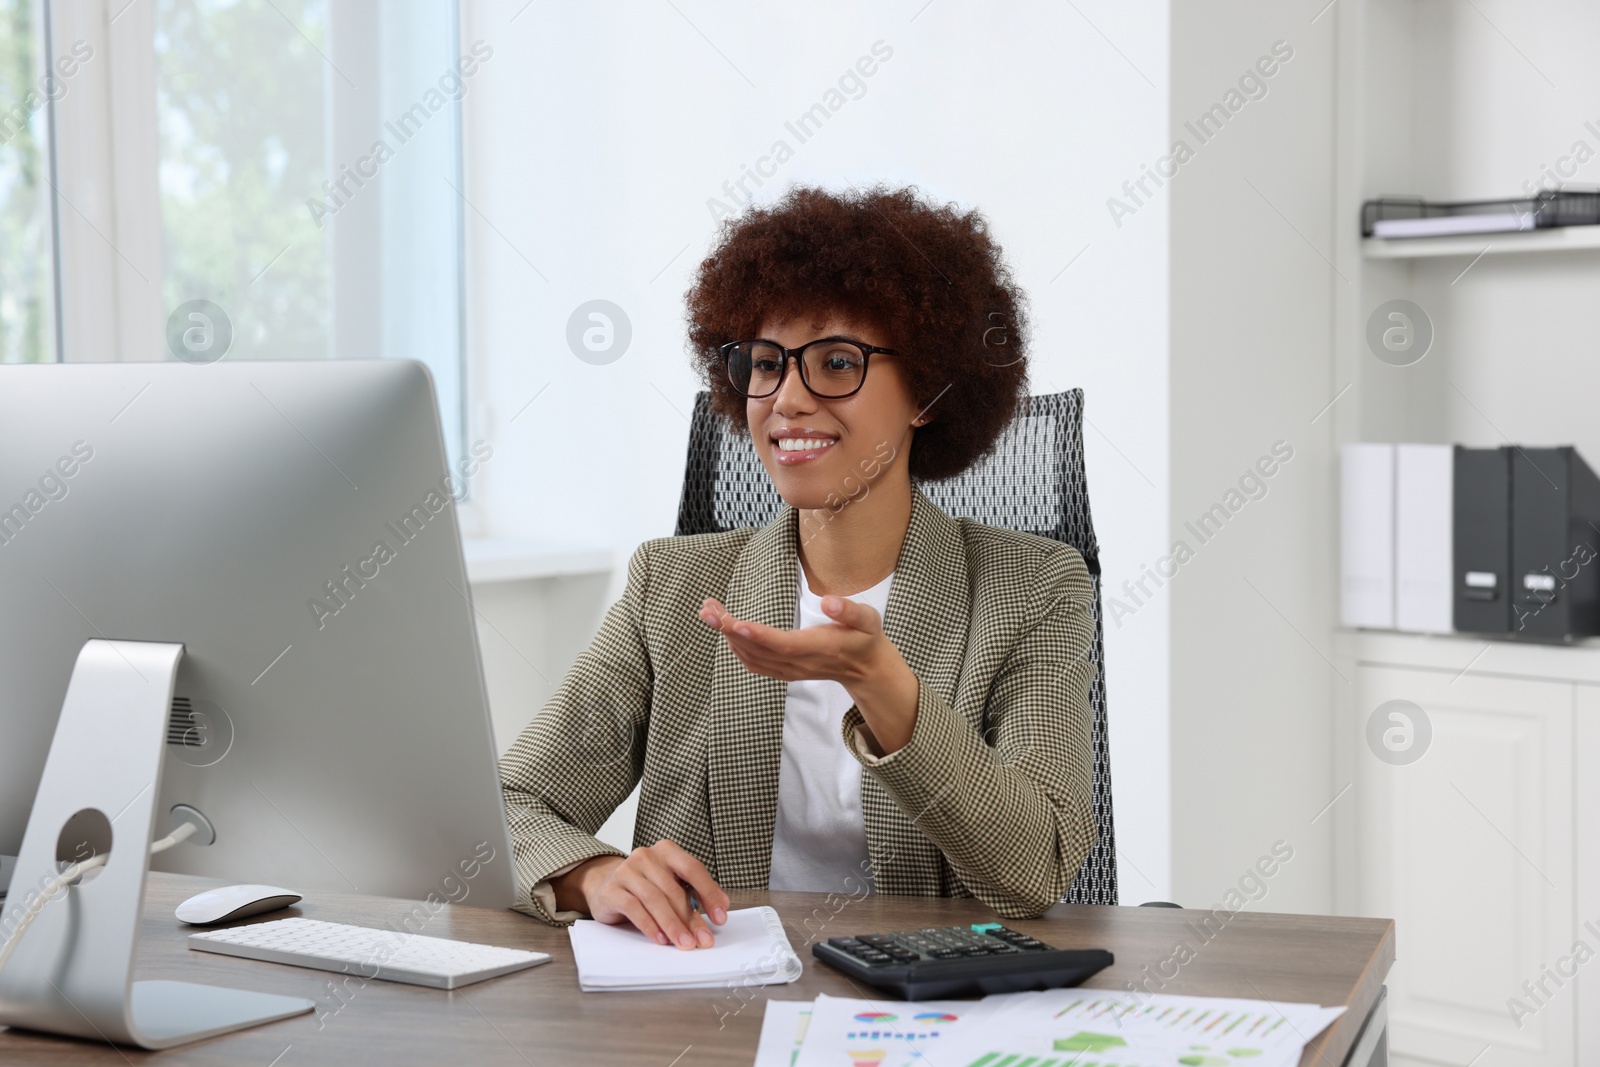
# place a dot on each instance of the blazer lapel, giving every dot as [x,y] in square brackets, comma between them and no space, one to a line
[746,742]
[926,618]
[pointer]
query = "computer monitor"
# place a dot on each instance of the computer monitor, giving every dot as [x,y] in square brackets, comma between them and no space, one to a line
[293,526]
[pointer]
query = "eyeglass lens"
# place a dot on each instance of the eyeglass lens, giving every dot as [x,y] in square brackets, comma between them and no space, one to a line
[831,368]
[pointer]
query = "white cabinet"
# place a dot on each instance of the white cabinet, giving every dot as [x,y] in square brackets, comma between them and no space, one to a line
[1482,849]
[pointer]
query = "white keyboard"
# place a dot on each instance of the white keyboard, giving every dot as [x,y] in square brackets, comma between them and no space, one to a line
[387,954]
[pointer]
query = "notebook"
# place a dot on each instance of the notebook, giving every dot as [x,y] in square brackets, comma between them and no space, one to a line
[751,948]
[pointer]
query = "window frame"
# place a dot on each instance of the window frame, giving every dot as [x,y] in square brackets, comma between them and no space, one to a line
[107,204]
[104,162]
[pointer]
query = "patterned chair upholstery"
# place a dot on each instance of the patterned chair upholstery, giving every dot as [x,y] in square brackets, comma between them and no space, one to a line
[1033,481]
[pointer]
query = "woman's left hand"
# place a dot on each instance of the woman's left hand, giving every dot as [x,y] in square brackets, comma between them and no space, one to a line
[852,650]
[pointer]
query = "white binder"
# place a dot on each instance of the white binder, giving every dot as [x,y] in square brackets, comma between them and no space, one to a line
[1366,535]
[1423,525]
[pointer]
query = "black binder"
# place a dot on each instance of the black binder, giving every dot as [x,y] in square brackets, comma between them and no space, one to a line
[1555,544]
[1482,540]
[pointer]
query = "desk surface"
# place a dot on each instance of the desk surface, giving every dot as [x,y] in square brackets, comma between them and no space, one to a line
[540,1017]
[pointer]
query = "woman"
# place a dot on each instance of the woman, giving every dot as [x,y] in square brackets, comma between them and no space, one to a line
[866,691]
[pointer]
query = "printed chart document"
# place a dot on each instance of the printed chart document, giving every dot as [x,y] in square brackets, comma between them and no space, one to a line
[1097,1028]
[889,1033]
[783,1030]
[751,949]
[1054,1028]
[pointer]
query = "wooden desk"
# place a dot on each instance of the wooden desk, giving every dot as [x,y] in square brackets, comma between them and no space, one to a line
[539,1017]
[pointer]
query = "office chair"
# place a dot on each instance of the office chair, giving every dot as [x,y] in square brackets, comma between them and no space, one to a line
[1033,481]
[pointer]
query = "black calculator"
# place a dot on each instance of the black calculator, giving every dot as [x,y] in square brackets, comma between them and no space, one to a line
[956,961]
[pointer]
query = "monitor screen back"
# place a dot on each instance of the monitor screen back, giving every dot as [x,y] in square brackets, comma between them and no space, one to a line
[293,526]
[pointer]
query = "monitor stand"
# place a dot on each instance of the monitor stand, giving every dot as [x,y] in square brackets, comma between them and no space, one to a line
[72,972]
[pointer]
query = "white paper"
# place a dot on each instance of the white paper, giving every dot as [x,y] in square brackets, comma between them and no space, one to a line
[888,1033]
[1099,1028]
[751,949]
[783,1029]
[1448,225]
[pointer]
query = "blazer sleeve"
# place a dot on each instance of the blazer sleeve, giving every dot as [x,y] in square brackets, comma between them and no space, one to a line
[582,754]
[1009,809]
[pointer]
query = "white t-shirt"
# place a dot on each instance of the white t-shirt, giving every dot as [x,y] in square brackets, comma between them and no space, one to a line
[819,839]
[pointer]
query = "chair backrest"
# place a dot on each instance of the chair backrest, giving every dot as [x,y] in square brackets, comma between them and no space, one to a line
[1033,481]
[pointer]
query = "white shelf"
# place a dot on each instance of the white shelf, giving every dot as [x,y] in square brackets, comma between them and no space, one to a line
[1474,654]
[508,559]
[1555,239]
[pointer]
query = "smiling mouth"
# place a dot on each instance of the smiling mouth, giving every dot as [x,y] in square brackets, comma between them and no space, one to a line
[803,444]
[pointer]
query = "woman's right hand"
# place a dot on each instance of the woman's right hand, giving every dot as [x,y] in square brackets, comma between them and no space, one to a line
[649,888]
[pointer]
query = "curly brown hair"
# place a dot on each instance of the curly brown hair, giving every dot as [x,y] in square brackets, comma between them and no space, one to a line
[929,276]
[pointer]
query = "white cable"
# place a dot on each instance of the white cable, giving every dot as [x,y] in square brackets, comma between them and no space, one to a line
[61,881]
[72,874]
[178,836]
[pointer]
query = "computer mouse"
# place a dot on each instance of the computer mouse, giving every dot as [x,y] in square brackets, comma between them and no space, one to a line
[234,902]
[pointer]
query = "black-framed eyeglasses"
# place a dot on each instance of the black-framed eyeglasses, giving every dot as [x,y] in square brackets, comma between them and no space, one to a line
[832,368]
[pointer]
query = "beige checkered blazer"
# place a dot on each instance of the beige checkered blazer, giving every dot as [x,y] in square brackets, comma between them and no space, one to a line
[989,798]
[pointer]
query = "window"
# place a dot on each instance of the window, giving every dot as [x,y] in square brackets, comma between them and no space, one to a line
[309,162]
[27,288]
[241,110]
[283,180]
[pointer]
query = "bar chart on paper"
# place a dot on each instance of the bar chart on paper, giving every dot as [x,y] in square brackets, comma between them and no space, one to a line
[1053,1028]
[1074,1029]
[1195,1022]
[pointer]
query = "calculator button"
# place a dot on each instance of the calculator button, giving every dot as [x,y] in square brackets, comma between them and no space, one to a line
[945,953]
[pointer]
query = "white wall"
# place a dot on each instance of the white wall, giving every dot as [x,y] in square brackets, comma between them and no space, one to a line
[1252,364]
[1479,118]
[597,133]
